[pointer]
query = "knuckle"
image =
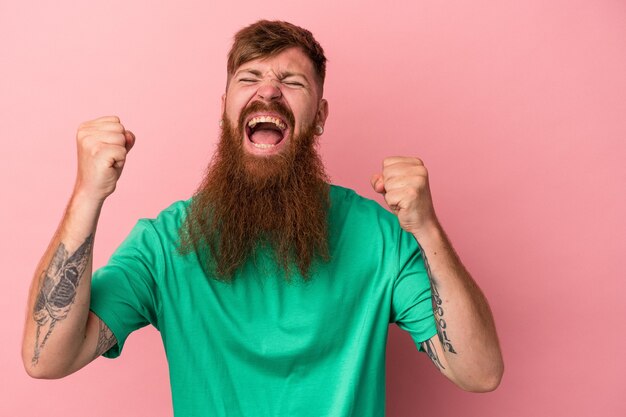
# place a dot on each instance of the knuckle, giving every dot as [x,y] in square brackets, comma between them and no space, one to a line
[96,148]
[119,138]
[84,139]
[420,172]
[412,193]
[390,160]
[82,130]
[421,182]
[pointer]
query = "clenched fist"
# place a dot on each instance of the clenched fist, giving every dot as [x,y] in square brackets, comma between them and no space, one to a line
[102,144]
[404,184]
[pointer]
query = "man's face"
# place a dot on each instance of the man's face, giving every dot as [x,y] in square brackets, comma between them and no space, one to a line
[266,183]
[275,99]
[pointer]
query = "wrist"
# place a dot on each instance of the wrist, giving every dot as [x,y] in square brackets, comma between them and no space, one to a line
[84,194]
[82,201]
[81,217]
[429,233]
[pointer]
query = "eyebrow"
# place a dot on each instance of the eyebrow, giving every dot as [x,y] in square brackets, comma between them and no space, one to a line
[281,75]
[287,74]
[249,70]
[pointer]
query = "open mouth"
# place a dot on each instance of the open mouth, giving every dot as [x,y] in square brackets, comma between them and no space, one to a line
[266,132]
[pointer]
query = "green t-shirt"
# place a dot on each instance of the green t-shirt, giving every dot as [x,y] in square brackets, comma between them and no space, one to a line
[264,346]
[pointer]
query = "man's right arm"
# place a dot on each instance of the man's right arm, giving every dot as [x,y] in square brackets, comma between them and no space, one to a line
[61,335]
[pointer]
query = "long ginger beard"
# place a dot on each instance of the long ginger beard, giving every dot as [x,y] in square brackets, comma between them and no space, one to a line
[248,202]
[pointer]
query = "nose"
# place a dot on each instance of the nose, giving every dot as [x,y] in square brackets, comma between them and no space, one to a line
[269,90]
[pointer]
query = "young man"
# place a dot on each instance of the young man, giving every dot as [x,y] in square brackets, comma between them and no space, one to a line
[272,289]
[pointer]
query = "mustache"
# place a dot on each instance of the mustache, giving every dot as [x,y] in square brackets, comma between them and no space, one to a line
[273,107]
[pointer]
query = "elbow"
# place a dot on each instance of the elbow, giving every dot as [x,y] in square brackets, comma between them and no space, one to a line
[36,372]
[486,385]
[39,370]
[488,382]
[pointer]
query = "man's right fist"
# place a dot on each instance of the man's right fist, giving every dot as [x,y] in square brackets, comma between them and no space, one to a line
[102,147]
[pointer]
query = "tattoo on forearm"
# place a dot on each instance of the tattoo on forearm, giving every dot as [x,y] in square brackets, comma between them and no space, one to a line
[106,339]
[441,323]
[429,348]
[438,310]
[58,290]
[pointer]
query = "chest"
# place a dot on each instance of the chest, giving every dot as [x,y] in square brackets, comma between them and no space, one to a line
[263,316]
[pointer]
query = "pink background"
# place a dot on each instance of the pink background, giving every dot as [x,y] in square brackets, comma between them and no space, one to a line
[518,109]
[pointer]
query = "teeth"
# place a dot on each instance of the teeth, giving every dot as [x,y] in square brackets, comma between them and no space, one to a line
[263,145]
[267,119]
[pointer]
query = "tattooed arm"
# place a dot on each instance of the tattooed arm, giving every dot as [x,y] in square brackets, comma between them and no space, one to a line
[466,349]
[61,335]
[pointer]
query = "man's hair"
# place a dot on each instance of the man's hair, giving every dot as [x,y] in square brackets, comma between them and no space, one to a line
[266,38]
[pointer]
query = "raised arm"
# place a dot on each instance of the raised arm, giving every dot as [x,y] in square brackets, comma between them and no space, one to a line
[61,335]
[466,349]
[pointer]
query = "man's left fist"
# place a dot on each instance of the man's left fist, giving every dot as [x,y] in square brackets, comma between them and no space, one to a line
[404,184]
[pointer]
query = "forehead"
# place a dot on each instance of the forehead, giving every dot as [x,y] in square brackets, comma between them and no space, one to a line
[289,61]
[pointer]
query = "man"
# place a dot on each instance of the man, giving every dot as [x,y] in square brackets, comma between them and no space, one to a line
[272,289]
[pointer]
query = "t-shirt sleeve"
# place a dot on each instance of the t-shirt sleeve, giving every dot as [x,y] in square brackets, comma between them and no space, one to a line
[411,306]
[124,293]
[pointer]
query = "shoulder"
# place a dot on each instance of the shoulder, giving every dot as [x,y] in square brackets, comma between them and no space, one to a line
[364,232]
[162,229]
[347,202]
[169,218]
[361,218]
[343,196]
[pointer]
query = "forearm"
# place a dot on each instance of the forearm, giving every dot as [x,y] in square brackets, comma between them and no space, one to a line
[465,325]
[467,350]
[58,302]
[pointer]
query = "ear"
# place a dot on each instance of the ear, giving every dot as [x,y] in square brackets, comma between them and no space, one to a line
[322,112]
[223,103]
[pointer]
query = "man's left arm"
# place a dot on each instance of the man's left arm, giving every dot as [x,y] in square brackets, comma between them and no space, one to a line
[466,348]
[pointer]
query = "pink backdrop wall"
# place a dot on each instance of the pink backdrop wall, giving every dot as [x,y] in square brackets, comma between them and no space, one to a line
[518,109]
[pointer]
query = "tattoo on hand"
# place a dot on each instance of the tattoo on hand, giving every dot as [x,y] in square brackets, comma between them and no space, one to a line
[58,290]
[438,310]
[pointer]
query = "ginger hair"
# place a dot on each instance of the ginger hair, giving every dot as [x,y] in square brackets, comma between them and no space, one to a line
[266,38]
